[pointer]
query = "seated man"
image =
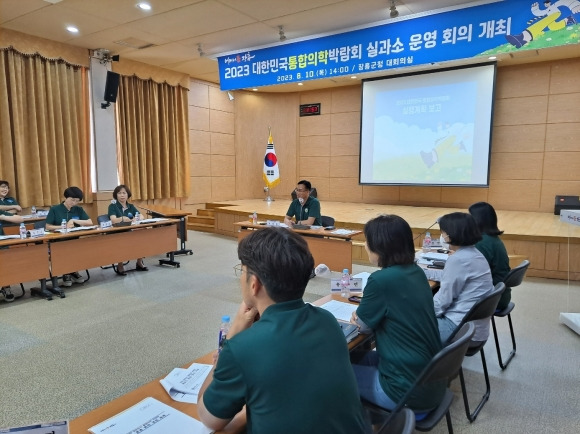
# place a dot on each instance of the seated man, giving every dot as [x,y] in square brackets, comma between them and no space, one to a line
[286,361]
[70,212]
[305,209]
[8,205]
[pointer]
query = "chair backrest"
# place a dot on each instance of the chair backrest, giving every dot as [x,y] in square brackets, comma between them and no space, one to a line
[326,220]
[516,274]
[103,218]
[482,309]
[40,224]
[402,422]
[313,193]
[442,367]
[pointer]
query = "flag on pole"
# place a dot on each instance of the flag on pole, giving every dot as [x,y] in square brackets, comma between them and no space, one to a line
[271,173]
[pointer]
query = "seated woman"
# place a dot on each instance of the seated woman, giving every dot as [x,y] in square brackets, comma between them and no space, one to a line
[122,211]
[466,276]
[492,247]
[398,307]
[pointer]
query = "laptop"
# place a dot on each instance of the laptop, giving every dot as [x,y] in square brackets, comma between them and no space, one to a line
[350,330]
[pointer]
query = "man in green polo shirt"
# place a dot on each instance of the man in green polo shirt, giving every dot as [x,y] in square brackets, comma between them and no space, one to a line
[305,209]
[72,214]
[286,361]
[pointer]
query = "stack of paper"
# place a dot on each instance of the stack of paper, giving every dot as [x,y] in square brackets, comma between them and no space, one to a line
[151,417]
[183,385]
[339,309]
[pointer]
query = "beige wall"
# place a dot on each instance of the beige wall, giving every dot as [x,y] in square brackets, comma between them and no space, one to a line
[535,149]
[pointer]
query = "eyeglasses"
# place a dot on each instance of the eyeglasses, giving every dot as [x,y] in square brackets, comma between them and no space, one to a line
[238,270]
[300,191]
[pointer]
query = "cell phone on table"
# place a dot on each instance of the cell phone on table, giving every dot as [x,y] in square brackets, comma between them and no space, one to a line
[355,298]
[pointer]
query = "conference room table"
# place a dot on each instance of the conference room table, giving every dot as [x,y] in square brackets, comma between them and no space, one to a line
[327,246]
[55,254]
[154,389]
[157,211]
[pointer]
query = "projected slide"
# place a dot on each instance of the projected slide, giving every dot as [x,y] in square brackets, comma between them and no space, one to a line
[427,129]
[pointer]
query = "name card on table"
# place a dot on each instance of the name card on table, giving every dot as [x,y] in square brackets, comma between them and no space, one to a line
[355,284]
[106,224]
[36,233]
[570,216]
[274,223]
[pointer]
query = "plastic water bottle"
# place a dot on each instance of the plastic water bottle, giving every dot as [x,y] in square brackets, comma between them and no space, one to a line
[345,284]
[254,218]
[33,211]
[224,330]
[137,218]
[427,242]
[63,226]
[22,231]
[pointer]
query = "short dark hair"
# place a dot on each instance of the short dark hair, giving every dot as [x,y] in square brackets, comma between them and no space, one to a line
[280,259]
[74,192]
[485,217]
[461,228]
[391,238]
[306,184]
[3,182]
[118,189]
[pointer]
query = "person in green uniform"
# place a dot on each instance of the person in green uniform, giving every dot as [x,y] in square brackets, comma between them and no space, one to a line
[72,214]
[121,211]
[398,307]
[8,205]
[286,361]
[305,209]
[492,247]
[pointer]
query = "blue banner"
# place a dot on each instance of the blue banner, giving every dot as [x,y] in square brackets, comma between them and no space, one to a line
[483,30]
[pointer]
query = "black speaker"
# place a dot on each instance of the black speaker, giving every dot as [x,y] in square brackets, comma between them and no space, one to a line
[566,202]
[111,86]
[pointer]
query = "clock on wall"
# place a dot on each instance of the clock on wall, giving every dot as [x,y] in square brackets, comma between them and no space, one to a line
[309,109]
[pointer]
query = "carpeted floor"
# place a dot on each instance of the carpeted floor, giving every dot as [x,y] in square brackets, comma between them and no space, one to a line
[62,358]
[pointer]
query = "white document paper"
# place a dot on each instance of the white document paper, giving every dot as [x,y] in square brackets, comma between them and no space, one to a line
[9,237]
[152,220]
[342,232]
[151,416]
[76,229]
[339,309]
[184,384]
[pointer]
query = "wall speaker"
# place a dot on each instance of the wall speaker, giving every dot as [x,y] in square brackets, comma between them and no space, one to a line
[111,86]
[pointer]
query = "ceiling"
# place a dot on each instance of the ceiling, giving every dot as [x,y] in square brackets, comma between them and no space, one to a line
[172,34]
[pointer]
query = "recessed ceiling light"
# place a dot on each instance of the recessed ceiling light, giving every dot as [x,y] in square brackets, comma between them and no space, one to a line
[492,57]
[299,84]
[72,29]
[255,89]
[353,77]
[144,6]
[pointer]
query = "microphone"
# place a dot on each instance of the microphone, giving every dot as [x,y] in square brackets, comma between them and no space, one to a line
[425,231]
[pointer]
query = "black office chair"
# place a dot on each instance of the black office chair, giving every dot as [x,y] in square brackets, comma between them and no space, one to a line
[442,368]
[326,221]
[514,278]
[313,193]
[402,422]
[482,309]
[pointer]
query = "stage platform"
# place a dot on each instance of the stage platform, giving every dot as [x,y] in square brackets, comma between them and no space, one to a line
[552,247]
